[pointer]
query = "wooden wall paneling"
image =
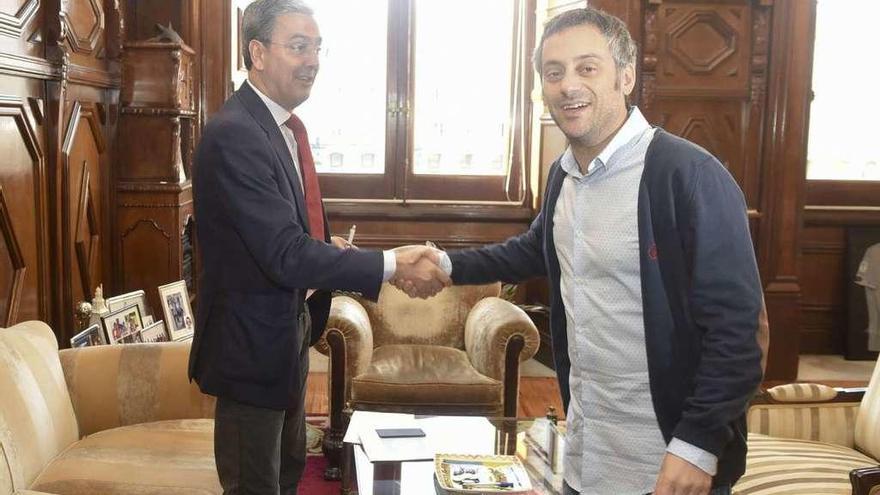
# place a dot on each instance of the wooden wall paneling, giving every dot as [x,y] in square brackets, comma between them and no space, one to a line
[822,298]
[22,45]
[84,199]
[784,158]
[24,245]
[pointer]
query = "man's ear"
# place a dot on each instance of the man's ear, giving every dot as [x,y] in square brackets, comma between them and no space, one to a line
[628,79]
[257,51]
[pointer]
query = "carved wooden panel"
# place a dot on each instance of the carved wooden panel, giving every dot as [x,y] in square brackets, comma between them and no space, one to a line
[705,46]
[15,15]
[704,77]
[23,236]
[82,202]
[83,21]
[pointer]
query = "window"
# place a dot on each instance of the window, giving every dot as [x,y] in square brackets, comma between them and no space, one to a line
[421,100]
[842,140]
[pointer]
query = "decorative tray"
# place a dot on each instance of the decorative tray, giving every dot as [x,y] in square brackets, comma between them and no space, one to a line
[473,474]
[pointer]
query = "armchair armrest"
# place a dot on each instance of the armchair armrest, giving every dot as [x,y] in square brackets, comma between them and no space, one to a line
[807,412]
[491,325]
[349,324]
[118,385]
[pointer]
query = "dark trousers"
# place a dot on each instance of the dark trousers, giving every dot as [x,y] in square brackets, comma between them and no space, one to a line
[721,490]
[262,451]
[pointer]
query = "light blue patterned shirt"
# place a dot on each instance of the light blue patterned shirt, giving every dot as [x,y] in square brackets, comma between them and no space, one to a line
[613,441]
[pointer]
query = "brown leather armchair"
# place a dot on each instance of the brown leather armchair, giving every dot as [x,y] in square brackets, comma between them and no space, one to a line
[456,353]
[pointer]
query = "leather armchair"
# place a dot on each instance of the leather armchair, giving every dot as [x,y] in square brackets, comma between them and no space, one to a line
[810,438]
[456,353]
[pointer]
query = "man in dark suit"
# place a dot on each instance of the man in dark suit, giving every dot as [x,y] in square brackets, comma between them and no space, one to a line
[268,261]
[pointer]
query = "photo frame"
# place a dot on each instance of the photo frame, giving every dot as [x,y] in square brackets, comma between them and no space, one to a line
[179,319]
[155,333]
[124,300]
[123,326]
[89,337]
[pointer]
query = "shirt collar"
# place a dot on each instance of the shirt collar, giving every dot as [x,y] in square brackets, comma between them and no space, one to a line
[634,125]
[278,112]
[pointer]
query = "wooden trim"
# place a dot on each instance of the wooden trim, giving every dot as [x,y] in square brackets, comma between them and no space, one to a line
[842,216]
[332,445]
[397,210]
[864,480]
[843,193]
[843,396]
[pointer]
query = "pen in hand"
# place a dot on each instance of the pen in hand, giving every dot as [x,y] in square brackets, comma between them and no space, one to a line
[351,233]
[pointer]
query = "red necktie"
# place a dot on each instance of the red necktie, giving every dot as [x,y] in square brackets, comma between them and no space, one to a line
[314,206]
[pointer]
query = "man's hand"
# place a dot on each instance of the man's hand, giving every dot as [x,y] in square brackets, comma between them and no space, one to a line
[679,477]
[417,272]
[341,243]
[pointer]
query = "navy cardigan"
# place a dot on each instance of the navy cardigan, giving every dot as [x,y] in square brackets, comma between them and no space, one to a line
[701,295]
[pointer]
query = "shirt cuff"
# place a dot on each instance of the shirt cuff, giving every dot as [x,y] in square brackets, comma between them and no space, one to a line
[445,263]
[390,265]
[706,461]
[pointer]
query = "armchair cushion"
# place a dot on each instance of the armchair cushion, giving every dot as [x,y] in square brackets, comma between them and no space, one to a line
[125,460]
[788,466]
[398,319]
[425,377]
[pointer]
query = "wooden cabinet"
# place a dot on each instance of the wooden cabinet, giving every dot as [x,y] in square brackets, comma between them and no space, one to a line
[153,188]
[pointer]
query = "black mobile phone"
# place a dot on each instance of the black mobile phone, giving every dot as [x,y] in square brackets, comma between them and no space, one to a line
[399,432]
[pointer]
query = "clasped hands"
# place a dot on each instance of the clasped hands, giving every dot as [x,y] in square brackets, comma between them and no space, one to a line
[418,271]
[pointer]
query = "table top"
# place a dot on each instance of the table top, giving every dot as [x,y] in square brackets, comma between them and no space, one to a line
[538,443]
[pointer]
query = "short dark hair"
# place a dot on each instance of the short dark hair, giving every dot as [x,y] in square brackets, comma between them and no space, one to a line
[258,21]
[620,43]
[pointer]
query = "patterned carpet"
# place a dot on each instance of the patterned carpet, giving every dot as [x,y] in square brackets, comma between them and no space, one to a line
[312,482]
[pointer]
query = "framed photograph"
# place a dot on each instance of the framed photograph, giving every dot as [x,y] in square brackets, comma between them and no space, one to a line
[178,315]
[89,337]
[123,326]
[125,300]
[154,333]
[148,320]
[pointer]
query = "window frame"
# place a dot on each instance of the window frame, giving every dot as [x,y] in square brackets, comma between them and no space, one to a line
[399,183]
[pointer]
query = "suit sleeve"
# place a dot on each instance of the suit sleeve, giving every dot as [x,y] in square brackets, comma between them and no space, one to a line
[725,302]
[517,259]
[244,175]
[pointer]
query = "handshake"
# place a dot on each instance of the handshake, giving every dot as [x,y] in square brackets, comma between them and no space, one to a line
[418,271]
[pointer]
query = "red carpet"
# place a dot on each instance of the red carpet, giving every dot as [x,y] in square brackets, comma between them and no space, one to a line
[312,482]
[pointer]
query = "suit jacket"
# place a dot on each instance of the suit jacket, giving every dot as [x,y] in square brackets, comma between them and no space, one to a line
[701,295]
[258,260]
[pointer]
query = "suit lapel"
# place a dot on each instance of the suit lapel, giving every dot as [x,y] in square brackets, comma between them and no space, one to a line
[257,108]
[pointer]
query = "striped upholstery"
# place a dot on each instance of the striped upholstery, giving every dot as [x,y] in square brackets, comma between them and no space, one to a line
[802,392]
[833,422]
[868,420]
[167,457]
[134,405]
[778,466]
[121,385]
[847,437]
[36,419]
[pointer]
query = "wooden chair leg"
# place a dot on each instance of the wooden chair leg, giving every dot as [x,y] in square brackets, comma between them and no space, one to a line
[511,375]
[332,444]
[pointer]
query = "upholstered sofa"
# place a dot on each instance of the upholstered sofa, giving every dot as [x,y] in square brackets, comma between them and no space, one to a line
[811,439]
[101,420]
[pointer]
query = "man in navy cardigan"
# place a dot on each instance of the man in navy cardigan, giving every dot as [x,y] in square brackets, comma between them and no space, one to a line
[654,290]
